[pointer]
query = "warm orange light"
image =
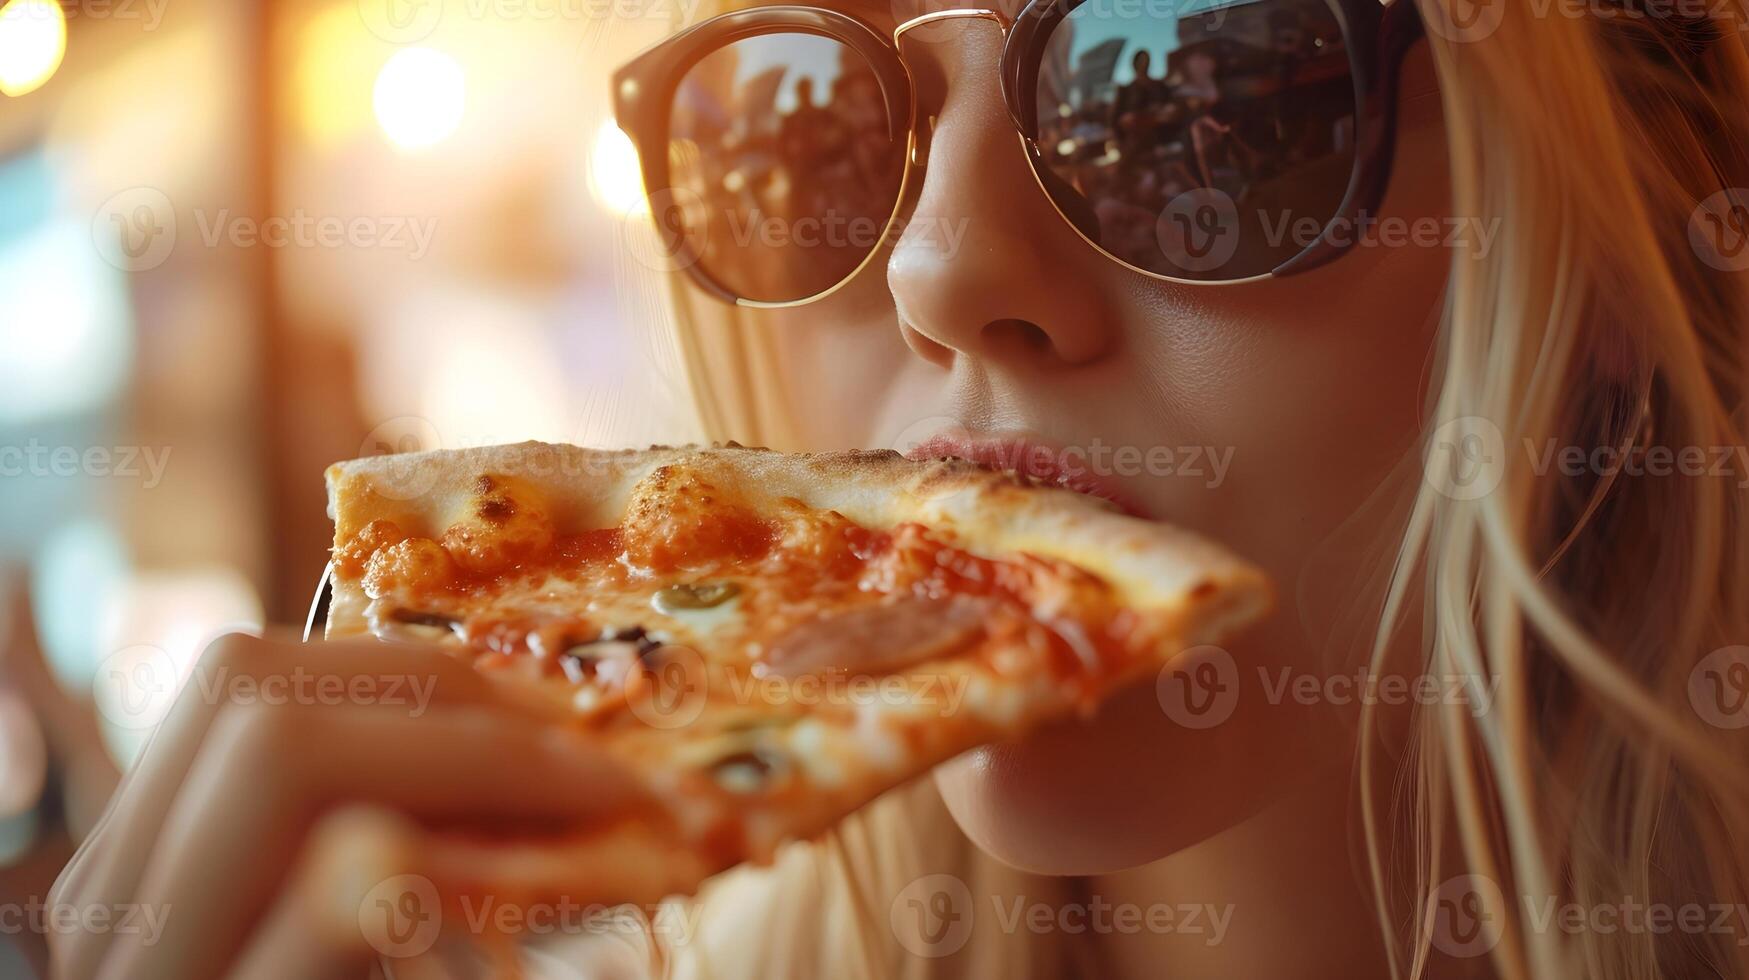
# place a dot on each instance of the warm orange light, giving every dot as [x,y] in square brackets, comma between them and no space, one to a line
[335,60]
[614,175]
[33,40]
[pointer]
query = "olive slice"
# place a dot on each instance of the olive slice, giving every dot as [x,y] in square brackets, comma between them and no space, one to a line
[700,595]
[579,660]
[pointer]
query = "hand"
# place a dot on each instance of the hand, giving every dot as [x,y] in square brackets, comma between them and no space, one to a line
[223,839]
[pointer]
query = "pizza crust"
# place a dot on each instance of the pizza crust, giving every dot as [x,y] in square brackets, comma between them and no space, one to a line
[487,508]
[1203,588]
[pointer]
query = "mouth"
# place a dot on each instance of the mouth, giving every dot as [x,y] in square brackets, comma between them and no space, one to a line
[1070,467]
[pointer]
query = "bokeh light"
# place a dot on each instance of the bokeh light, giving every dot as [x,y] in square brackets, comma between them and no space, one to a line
[419,98]
[64,324]
[33,40]
[614,177]
[80,573]
[336,60]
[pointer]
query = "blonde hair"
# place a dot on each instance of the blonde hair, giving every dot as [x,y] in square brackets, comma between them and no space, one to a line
[1596,323]
[1592,601]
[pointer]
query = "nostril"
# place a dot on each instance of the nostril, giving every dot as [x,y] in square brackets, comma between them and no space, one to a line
[1017,335]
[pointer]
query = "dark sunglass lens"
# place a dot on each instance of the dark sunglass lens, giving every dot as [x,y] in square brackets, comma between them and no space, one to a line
[785,165]
[1210,145]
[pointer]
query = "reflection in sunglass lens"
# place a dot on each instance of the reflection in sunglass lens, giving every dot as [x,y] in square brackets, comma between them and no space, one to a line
[785,165]
[1211,145]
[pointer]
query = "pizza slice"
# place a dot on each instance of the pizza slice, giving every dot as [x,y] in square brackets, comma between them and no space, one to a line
[768,640]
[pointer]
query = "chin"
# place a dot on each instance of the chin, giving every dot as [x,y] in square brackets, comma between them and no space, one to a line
[1125,788]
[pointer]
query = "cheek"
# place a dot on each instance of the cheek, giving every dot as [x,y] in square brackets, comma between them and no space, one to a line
[1317,386]
[829,366]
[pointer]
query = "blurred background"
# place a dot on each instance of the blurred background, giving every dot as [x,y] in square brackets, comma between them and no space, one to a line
[241,240]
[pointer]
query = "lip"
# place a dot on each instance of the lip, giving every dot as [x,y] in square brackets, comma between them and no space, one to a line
[1037,459]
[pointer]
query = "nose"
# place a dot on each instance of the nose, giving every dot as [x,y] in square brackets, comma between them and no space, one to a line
[986,267]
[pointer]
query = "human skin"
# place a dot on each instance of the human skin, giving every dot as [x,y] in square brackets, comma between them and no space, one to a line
[1314,384]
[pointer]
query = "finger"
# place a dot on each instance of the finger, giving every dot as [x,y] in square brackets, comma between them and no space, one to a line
[343,914]
[107,867]
[457,766]
[302,936]
[371,884]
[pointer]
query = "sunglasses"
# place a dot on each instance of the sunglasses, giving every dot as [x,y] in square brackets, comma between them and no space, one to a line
[1212,141]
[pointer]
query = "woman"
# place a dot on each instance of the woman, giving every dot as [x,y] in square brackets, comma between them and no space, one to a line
[1495,727]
